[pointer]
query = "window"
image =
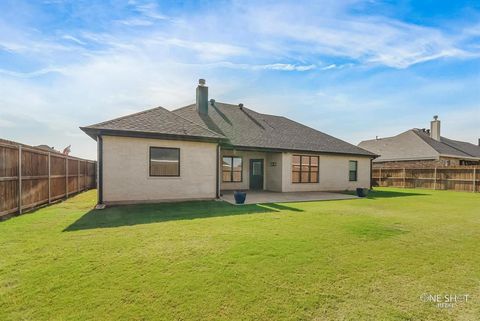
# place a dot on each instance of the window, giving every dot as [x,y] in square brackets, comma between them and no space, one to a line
[232,169]
[164,161]
[304,169]
[353,169]
[469,163]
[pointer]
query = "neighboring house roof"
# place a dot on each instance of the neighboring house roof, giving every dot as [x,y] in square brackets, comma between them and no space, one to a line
[156,121]
[416,144]
[246,128]
[47,148]
[468,148]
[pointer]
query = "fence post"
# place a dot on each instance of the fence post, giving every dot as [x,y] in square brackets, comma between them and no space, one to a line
[66,176]
[20,179]
[78,175]
[404,177]
[49,179]
[380,177]
[474,178]
[435,179]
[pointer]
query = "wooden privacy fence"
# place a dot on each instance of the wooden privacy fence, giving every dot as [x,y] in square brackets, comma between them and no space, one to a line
[30,177]
[465,179]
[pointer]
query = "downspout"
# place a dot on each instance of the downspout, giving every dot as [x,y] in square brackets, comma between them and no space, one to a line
[217,187]
[100,169]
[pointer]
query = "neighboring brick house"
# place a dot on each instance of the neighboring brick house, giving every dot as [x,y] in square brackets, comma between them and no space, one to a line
[419,148]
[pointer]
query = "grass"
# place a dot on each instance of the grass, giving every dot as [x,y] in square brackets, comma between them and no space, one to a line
[365,259]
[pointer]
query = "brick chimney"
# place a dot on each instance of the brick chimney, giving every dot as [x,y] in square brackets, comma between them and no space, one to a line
[435,128]
[202,97]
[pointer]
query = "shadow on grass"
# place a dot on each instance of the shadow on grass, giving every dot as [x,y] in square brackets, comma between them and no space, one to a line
[390,194]
[128,215]
[280,207]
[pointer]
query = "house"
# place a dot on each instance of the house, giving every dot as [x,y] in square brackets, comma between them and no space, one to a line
[200,150]
[419,148]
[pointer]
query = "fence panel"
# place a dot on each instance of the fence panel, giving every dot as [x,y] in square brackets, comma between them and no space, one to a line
[466,179]
[30,177]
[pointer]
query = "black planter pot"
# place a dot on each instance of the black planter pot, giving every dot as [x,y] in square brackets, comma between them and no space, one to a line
[239,197]
[362,192]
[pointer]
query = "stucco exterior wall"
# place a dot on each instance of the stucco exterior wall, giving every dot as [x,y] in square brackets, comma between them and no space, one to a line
[126,171]
[273,170]
[333,174]
[246,157]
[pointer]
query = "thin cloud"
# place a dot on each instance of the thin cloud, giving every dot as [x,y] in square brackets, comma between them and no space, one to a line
[74,39]
[332,66]
[150,10]
[135,22]
[288,67]
[367,39]
[31,74]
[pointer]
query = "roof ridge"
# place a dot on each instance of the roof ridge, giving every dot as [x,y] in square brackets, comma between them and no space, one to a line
[220,135]
[182,108]
[465,152]
[311,128]
[418,131]
[247,111]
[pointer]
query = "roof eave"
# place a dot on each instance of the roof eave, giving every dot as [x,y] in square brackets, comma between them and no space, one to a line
[95,132]
[459,156]
[275,149]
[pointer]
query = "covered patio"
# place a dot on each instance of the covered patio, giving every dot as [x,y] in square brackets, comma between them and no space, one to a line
[256,197]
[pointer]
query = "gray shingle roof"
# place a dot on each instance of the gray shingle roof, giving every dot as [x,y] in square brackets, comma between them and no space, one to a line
[246,128]
[468,148]
[415,144]
[440,146]
[156,121]
[404,146]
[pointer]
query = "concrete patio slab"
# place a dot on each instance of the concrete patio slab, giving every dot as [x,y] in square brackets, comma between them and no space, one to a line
[256,197]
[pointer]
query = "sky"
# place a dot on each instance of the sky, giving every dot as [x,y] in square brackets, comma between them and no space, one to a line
[351,68]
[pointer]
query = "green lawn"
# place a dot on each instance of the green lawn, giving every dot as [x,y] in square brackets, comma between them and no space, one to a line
[365,259]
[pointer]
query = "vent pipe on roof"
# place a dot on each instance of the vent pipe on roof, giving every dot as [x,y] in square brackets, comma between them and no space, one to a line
[479,142]
[240,105]
[202,97]
[435,128]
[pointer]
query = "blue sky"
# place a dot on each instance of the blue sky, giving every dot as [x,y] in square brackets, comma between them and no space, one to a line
[354,69]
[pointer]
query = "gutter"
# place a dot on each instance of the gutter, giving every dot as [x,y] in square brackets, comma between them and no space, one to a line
[289,150]
[94,133]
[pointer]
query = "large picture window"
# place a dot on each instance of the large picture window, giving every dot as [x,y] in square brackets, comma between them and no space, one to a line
[164,161]
[305,169]
[232,169]
[352,171]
